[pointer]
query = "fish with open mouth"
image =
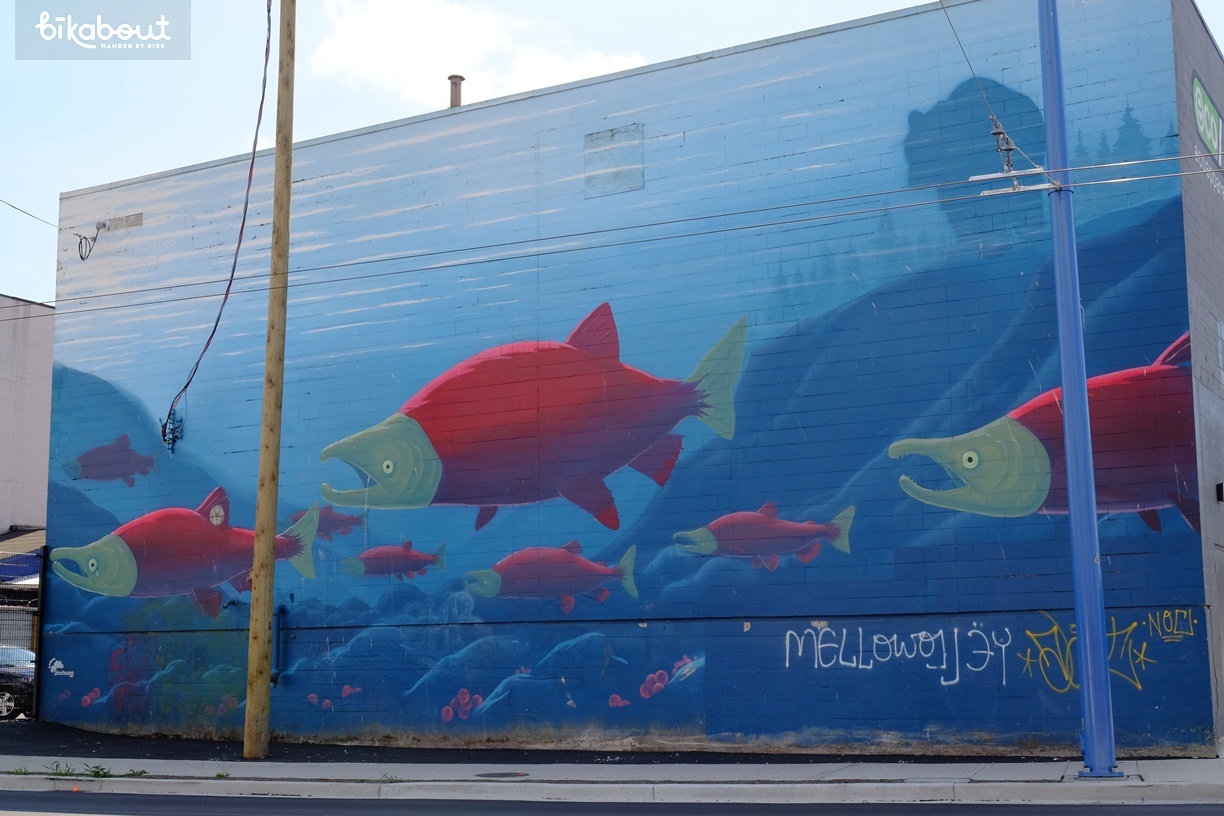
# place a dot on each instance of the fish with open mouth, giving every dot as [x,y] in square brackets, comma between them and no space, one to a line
[1142,441]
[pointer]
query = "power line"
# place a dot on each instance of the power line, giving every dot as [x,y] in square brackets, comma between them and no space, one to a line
[1004,142]
[606,231]
[32,215]
[172,426]
[84,246]
[603,246]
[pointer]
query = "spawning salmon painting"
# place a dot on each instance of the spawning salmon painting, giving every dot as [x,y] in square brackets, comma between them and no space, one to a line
[536,420]
[1142,443]
[762,538]
[114,461]
[179,551]
[553,572]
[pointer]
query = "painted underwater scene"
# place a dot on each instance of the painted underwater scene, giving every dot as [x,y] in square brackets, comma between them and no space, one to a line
[714,460]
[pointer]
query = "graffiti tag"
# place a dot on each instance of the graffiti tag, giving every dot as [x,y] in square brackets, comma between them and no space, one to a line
[1052,652]
[943,651]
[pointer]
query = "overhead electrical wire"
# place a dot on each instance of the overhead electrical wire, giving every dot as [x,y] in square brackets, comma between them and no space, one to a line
[1004,143]
[172,425]
[574,249]
[570,236]
[127,293]
[27,212]
[85,244]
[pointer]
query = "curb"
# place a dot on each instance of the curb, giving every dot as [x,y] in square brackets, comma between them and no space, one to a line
[1067,792]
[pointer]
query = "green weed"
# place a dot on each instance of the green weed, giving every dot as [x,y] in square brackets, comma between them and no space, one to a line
[56,769]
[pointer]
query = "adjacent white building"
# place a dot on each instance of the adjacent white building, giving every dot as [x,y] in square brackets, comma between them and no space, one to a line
[27,332]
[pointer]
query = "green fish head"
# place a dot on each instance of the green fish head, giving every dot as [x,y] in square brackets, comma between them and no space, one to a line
[397,460]
[486,583]
[106,566]
[699,541]
[1001,469]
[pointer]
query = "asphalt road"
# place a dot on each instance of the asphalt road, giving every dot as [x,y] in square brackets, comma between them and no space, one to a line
[108,804]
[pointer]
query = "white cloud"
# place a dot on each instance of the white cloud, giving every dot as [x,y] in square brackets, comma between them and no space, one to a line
[409,48]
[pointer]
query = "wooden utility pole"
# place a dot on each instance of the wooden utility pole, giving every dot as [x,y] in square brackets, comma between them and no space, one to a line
[259,645]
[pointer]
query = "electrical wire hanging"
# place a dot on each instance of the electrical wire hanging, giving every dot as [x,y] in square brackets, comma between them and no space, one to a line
[172,425]
[416,269]
[85,244]
[1003,143]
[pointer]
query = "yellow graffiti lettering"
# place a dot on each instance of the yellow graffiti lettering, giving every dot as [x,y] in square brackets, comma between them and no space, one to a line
[1052,651]
[1054,657]
[1171,625]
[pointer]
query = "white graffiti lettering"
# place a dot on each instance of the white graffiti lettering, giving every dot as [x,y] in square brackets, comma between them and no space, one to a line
[936,651]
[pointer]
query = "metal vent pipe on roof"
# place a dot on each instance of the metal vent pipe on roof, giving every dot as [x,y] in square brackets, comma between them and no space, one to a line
[456,82]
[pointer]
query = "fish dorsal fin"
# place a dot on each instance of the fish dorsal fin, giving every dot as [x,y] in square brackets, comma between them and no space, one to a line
[573,547]
[124,442]
[597,335]
[769,510]
[406,546]
[485,515]
[216,508]
[1177,353]
[208,600]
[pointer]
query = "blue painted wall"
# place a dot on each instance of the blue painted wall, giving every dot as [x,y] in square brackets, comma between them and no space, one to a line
[690,319]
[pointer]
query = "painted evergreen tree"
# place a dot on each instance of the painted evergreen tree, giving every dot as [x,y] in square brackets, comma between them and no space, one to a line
[1131,144]
[1104,155]
[1080,157]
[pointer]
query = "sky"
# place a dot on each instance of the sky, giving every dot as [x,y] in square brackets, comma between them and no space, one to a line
[74,124]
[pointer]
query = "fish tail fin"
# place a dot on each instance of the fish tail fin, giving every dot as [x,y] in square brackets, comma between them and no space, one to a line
[843,520]
[440,554]
[1178,352]
[303,531]
[716,376]
[625,566]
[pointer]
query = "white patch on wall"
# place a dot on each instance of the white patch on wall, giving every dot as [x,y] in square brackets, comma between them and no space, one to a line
[1219,329]
[123,222]
[614,160]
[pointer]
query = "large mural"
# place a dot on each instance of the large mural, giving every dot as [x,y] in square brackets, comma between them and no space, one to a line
[751,441]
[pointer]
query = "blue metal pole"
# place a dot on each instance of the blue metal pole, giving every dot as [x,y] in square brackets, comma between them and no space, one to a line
[1093,654]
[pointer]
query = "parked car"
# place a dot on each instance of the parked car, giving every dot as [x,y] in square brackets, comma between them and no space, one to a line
[16,681]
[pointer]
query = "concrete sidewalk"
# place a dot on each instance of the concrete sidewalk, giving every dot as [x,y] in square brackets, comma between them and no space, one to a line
[1156,781]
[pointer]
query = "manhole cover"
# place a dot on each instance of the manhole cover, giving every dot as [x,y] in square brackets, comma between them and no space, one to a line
[501,775]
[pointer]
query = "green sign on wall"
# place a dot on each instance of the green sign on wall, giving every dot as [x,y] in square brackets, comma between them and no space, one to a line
[1207,119]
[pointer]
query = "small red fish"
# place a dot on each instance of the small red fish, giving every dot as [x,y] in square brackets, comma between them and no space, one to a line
[331,523]
[552,572]
[763,537]
[399,561]
[116,461]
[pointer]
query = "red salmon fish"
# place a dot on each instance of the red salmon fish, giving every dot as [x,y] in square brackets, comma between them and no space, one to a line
[762,537]
[109,462]
[536,420]
[177,551]
[553,572]
[331,523]
[399,561]
[1142,445]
